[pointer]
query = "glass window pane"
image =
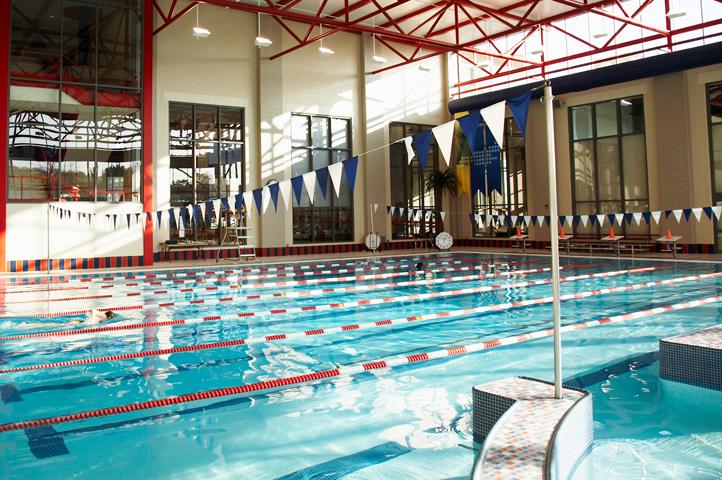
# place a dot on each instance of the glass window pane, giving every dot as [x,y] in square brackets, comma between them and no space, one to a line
[606,119]
[582,122]
[586,208]
[119,46]
[300,126]
[321,158]
[232,124]
[608,174]
[715,103]
[79,41]
[181,120]
[584,185]
[207,171]
[717,156]
[632,228]
[319,132]
[206,126]
[233,169]
[635,167]
[77,151]
[340,134]
[35,37]
[632,112]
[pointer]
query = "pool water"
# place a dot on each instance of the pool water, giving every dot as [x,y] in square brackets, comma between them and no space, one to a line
[411,421]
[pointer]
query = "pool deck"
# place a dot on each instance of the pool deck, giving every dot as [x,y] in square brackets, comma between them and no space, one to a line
[521,423]
[694,358]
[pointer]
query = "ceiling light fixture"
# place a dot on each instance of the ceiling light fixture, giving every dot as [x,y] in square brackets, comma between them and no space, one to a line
[675,10]
[325,51]
[198,31]
[374,57]
[261,41]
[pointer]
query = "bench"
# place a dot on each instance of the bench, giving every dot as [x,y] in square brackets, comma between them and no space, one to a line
[605,244]
[190,245]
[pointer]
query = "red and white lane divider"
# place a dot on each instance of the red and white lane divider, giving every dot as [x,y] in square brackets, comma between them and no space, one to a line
[378,301]
[314,281]
[348,370]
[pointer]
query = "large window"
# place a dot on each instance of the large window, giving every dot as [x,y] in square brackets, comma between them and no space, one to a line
[512,199]
[75,100]
[317,142]
[714,96]
[609,161]
[407,182]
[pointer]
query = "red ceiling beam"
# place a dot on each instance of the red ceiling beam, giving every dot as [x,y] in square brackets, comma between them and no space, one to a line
[635,14]
[604,13]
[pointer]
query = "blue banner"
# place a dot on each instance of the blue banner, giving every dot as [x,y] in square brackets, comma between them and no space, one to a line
[273,188]
[470,126]
[297,184]
[322,179]
[486,163]
[519,107]
[350,166]
[258,197]
[421,147]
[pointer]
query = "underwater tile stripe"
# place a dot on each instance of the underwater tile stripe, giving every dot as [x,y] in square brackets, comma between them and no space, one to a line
[346,370]
[377,301]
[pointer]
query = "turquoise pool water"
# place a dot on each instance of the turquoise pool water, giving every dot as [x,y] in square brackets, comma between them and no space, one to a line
[411,421]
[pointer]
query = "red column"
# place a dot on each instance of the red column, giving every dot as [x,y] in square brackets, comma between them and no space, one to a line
[147,129]
[4,106]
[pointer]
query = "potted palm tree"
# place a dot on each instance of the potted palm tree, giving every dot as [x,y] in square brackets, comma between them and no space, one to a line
[441,182]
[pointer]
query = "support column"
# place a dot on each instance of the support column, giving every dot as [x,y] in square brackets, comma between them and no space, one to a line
[4,125]
[147,139]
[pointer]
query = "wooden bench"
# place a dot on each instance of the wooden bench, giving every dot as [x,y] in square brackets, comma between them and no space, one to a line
[592,244]
[191,245]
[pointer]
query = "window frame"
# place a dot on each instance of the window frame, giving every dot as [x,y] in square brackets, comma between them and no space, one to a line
[716,196]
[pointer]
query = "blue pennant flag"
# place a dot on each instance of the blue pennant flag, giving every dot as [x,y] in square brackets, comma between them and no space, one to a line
[562,219]
[173,223]
[667,213]
[628,217]
[548,219]
[611,218]
[593,219]
[687,212]
[239,201]
[258,197]
[297,184]
[350,166]
[519,107]
[322,179]
[421,147]
[533,220]
[196,214]
[471,217]
[647,216]
[127,219]
[159,214]
[274,188]
[224,202]
[708,211]
[469,126]
[485,163]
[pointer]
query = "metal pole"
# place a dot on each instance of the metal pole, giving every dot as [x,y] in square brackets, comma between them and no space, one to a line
[554,228]
[47,234]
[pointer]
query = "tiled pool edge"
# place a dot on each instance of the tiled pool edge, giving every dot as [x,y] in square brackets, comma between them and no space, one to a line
[694,358]
[526,432]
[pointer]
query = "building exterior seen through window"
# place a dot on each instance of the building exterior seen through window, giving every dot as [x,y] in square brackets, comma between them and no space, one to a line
[407,182]
[512,200]
[609,161]
[75,122]
[714,108]
[206,147]
[319,141]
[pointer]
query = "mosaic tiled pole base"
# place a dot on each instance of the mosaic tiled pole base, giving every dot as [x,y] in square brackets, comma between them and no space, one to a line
[694,358]
[528,434]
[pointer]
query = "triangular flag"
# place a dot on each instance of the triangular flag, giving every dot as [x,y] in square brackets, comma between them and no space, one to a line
[570,219]
[335,170]
[203,211]
[127,218]
[297,184]
[258,198]
[519,107]
[637,217]
[322,179]
[656,216]
[266,198]
[350,167]
[469,126]
[677,214]
[159,214]
[708,212]
[238,204]
[375,207]
[421,147]
[217,206]
[443,215]
[285,188]
[444,135]
[409,149]
[309,180]
[401,211]
[697,212]
[540,220]
[584,219]
[619,217]
[687,212]
[226,205]
[274,189]
[647,216]
[601,218]
[197,214]
[392,211]
[248,201]
[717,211]
[494,116]
[527,219]
[171,218]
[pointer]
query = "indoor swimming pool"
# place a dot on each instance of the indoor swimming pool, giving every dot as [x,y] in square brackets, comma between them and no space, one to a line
[358,368]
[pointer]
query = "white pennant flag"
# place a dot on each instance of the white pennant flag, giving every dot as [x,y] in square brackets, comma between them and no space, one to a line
[335,171]
[401,211]
[677,214]
[717,211]
[477,218]
[527,219]
[248,201]
[619,217]
[443,215]
[410,213]
[444,135]
[265,198]
[217,206]
[427,216]
[514,219]
[697,213]
[502,219]
[285,188]
[392,211]
[601,219]
[189,209]
[637,217]
[570,219]
[203,211]
[309,180]
[409,149]
[540,220]
[376,207]
[417,215]
[584,219]
[656,216]
[494,116]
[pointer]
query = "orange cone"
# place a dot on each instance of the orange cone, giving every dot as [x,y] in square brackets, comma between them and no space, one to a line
[518,232]
[611,232]
[561,232]
[669,235]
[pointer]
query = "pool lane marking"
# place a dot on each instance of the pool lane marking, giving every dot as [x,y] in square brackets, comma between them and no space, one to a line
[314,308]
[206,301]
[349,370]
[348,278]
[84,278]
[317,332]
